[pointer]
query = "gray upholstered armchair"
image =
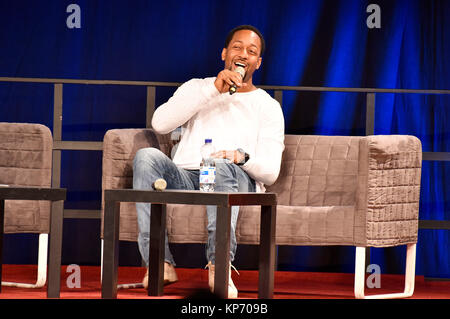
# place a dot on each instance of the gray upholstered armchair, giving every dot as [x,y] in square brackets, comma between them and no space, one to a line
[360,191]
[26,160]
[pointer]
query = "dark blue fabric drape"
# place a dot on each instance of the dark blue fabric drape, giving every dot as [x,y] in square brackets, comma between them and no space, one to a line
[309,43]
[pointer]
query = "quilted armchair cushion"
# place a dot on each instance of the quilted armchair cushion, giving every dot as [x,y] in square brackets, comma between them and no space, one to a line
[25,160]
[316,193]
[318,171]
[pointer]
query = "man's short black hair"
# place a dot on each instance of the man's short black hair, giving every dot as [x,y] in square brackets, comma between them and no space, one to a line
[246,27]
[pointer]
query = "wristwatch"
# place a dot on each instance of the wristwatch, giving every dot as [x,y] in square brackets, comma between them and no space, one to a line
[246,157]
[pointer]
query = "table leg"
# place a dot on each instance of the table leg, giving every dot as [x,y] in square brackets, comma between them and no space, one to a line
[2,224]
[267,251]
[222,264]
[55,246]
[111,249]
[157,250]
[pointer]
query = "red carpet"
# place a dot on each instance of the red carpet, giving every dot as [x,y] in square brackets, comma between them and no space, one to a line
[288,285]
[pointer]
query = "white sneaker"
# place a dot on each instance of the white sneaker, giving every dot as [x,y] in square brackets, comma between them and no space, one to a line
[170,275]
[232,290]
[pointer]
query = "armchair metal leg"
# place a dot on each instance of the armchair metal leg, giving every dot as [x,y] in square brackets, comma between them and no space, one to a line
[121,286]
[42,266]
[409,275]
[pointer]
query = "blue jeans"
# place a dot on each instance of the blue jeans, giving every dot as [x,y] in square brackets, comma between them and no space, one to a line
[150,164]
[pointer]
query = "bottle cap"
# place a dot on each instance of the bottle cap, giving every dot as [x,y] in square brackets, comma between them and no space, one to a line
[208,140]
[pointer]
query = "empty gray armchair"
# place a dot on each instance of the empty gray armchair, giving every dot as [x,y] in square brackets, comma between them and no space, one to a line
[26,160]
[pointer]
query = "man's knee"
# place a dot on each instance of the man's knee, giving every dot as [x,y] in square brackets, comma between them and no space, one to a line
[226,179]
[147,155]
[226,169]
[230,177]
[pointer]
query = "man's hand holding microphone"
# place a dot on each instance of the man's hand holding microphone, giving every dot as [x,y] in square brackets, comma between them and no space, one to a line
[230,81]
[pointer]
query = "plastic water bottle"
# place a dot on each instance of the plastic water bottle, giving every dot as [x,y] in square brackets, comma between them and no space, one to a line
[207,176]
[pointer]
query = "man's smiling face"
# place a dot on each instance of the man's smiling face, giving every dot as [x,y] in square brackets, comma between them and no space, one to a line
[243,50]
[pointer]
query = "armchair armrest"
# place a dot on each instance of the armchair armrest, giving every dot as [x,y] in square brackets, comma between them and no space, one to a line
[119,148]
[388,190]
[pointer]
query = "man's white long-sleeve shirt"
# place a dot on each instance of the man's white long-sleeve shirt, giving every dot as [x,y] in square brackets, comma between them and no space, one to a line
[252,121]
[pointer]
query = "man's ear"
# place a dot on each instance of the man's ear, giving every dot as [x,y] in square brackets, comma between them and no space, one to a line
[224,53]
[258,64]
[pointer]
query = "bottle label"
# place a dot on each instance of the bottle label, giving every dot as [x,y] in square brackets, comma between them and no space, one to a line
[207,175]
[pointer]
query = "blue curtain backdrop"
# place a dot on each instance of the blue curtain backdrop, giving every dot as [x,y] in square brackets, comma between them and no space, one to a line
[309,43]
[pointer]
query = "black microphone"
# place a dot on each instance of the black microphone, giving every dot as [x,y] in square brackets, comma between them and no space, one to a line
[241,72]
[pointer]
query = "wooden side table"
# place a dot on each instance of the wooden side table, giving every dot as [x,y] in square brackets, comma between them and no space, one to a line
[57,196]
[159,200]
